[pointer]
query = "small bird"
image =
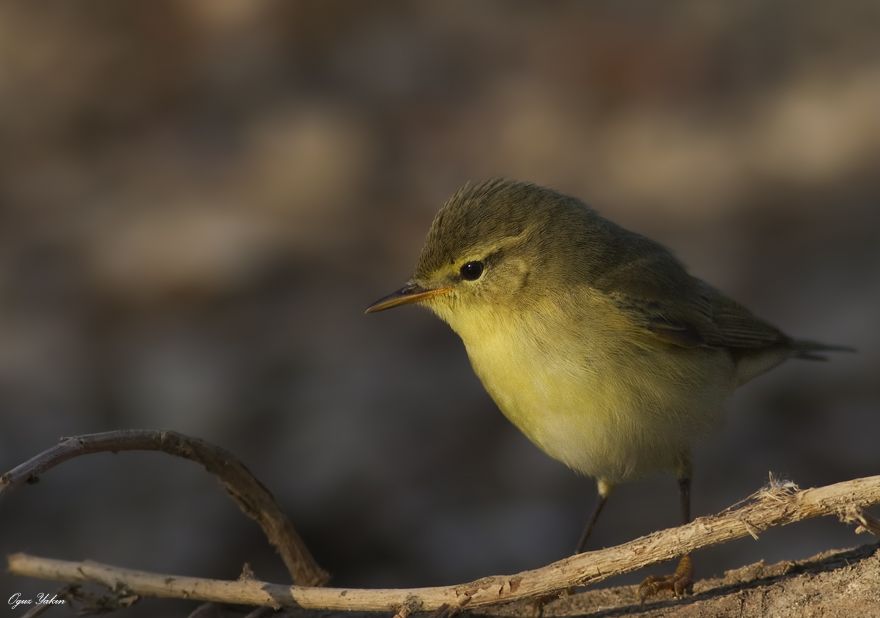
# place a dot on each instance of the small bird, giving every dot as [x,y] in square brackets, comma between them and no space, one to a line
[593,340]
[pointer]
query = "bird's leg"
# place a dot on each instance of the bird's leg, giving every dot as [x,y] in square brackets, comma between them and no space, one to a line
[681,581]
[603,488]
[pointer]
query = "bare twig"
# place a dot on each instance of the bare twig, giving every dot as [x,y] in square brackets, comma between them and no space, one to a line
[249,493]
[37,610]
[774,506]
[864,522]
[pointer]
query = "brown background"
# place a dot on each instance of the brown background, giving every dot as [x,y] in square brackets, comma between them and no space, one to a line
[199,198]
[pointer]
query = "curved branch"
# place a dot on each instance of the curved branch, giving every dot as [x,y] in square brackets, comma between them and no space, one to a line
[777,505]
[250,494]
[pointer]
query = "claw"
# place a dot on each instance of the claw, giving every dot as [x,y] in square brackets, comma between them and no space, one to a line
[680,583]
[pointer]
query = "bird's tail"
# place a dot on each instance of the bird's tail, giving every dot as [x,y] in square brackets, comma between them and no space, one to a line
[813,350]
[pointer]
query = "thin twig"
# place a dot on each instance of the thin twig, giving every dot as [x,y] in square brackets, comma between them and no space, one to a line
[250,494]
[765,509]
[37,610]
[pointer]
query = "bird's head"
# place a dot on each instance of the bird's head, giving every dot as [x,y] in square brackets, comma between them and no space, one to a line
[495,246]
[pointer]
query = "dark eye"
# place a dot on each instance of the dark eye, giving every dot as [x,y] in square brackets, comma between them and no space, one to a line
[471,270]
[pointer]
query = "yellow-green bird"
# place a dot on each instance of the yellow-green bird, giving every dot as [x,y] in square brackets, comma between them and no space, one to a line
[593,340]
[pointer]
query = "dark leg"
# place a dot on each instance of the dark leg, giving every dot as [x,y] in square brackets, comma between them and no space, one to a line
[604,489]
[681,582]
[684,496]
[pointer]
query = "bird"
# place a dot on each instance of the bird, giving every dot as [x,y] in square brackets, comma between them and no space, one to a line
[593,340]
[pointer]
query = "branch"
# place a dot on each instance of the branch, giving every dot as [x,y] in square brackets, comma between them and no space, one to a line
[252,497]
[777,505]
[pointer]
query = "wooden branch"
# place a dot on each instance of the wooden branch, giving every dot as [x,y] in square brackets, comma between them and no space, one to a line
[250,494]
[776,505]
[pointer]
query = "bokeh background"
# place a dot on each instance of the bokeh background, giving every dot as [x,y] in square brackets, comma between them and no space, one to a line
[199,199]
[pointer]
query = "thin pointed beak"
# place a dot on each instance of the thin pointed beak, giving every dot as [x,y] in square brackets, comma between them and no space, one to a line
[410,293]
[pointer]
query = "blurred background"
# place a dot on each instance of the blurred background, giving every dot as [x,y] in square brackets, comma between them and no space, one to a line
[198,199]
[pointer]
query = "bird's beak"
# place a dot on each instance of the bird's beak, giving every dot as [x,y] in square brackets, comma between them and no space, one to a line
[410,293]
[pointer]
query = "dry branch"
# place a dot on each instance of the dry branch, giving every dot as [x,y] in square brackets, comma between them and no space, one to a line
[777,505]
[252,497]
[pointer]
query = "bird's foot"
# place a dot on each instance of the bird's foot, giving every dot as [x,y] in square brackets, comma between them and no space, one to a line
[537,605]
[680,583]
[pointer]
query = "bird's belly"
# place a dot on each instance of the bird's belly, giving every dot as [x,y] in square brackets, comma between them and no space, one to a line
[614,419]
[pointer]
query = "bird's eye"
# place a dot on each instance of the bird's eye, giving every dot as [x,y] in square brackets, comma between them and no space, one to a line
[471,270]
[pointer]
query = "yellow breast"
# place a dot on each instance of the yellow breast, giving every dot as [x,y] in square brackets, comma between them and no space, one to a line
[588,393]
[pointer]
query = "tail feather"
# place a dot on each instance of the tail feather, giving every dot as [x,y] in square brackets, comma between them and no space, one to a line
[811,350]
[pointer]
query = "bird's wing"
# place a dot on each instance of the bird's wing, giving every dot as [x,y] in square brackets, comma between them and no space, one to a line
[660,297]
[736,326]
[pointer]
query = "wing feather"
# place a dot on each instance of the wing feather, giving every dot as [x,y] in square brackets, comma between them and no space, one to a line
[658,294]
